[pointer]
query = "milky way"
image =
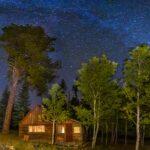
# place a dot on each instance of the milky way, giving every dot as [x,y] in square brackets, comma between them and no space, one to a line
[83,28]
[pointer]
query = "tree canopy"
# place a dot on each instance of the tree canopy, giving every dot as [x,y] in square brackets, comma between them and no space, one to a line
[95,82]
[27,48]
[137,86]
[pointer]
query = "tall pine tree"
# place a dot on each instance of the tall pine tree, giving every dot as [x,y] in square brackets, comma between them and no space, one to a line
[21,107]
[3,104]
[27,48]
[63,85]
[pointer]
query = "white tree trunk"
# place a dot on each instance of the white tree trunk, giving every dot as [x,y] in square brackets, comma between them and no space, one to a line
[95,136]
[53,132]
[137,146]
[138,128]
[94,127]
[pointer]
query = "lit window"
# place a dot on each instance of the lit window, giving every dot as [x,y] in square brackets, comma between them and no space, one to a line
[61,129]
[76,129]
[36,128]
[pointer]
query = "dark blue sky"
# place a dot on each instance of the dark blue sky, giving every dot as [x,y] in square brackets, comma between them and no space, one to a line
[83,28]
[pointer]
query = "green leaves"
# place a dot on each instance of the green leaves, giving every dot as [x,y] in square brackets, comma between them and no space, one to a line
[84,116]
[53,108]
[136,70]
[137,82]
[98,89]
[27,48]
[94,75]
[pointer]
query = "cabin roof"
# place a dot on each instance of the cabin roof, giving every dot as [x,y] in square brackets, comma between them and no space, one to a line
[38,108]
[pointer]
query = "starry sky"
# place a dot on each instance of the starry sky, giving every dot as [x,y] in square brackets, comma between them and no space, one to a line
[83,28]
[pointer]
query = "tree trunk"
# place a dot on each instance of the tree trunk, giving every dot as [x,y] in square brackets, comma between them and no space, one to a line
[143,136]
[116,130]
[106,137]
[112,134]
[138,128]
[53,132]
[94,127]
[102,136]
[126,132]
[86,132]
[11,100]
[137,146]
[95,136]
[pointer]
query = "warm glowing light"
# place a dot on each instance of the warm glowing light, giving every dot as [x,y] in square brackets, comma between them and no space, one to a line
[61,129]
[76,130]
[36,128]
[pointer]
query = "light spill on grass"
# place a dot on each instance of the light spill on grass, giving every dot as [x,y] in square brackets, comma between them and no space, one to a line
[18,144]
[13,140]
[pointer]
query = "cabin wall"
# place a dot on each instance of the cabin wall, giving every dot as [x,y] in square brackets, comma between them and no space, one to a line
[33,118]
[75,137]
[59,137]
[26,135]
[46,136]
[78,137]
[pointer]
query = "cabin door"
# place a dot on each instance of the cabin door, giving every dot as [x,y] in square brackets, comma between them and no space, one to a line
[69,130]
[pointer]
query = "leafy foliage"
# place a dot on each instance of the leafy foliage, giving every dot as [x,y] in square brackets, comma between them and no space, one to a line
[137,83]
[27,48]
[95,82]
[97,88]
[53,107]
[137,79]
[84,115]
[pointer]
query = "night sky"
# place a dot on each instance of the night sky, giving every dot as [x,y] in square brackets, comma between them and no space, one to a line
[83,28]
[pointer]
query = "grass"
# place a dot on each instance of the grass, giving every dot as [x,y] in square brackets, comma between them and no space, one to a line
[120,147]
[13,140]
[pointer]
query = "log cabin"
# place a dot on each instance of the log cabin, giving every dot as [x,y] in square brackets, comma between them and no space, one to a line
[33,128]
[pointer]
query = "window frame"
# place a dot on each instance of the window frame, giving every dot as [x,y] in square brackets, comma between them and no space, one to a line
[79,129]
[63,131]
[34,129]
